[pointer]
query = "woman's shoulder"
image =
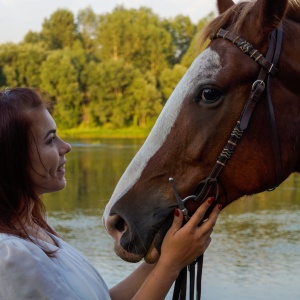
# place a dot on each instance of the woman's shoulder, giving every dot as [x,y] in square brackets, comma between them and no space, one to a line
[68,274]
[18,252]
[26,272]
[13,242]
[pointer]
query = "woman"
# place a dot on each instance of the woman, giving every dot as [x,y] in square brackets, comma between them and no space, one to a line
[35,263]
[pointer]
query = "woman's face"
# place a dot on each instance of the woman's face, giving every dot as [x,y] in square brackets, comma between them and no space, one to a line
[47,153]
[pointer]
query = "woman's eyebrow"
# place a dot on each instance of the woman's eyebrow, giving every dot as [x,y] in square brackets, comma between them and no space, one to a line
[50,132]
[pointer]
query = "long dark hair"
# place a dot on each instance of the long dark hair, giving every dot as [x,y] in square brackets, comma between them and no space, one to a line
[17,197]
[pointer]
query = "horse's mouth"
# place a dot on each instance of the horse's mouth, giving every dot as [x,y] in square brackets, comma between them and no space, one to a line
[151,256]
[154,250]
[127,256]
[151,252]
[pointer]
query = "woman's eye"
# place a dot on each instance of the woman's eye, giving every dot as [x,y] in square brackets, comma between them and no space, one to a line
[210,95]
[50,141]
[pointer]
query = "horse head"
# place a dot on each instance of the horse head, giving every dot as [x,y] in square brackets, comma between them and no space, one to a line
[197,121]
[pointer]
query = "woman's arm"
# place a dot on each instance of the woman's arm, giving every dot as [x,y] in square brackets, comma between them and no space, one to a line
[127,288]
[181,246]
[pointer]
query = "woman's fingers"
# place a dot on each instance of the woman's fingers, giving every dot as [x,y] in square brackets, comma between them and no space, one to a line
[200,212]
[210,222]
[183,244]
[177,222]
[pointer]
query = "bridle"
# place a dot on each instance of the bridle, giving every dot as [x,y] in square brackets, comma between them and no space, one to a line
[209,186]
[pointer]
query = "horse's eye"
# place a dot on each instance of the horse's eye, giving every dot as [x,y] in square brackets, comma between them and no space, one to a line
[210,95]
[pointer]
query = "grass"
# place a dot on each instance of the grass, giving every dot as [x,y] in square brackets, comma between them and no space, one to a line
[102,132]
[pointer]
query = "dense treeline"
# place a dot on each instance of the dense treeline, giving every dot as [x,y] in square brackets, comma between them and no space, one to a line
[114,70]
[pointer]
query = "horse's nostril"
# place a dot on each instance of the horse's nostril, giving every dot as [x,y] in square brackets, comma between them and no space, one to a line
[120,224]
[116,226]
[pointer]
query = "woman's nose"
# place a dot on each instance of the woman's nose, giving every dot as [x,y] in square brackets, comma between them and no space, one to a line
[68,147]
[65,148]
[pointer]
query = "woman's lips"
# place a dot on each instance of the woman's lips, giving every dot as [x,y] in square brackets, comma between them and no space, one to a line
[61,169]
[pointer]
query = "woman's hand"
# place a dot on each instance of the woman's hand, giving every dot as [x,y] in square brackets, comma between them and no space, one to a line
[182,245]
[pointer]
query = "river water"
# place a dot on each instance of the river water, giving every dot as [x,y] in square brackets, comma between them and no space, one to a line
[255,249]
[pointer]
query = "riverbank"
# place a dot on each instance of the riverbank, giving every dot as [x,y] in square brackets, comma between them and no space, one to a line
[102,132]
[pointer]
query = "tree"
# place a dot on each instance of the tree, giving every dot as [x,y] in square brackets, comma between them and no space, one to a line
[106,85]
[59,30]
[32,38]
[8,58]
[169,78]
[87,22]
[136,36]
[60,79]
[121,95]
[193,49]
[28,65]
[21,64]
[146,98]
[182,31]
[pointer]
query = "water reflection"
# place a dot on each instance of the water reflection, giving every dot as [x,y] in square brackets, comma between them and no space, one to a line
[255,253]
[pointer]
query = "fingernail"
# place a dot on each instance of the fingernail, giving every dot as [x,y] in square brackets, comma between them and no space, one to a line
[176,212]
[219,206]
[210,200]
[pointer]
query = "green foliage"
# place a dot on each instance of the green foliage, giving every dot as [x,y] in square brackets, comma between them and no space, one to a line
[146,99]
[137,36]
[112,71]
[59,31]
[110,79]
[121,95]
[87,22]
[193,49]
[21,64]
[169,78]
[59,79]
[182,31]
[32,38]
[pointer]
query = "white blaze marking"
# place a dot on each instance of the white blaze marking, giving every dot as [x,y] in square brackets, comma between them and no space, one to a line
[205,67]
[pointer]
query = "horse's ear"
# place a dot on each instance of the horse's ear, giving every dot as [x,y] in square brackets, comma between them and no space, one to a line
[269,13]
[223,5]
[293,11]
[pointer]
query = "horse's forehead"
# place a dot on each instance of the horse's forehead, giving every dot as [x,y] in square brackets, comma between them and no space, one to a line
[205,68]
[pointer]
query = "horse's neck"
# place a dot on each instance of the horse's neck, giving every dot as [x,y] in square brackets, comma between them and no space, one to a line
[293,14]
[290,59]
[288,95]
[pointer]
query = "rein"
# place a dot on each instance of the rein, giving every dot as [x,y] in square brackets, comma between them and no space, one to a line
[210,184]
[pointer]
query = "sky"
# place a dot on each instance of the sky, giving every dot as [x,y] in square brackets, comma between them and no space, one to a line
[17,17]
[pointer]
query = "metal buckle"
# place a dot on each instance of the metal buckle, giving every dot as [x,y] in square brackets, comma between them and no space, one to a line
[256,82]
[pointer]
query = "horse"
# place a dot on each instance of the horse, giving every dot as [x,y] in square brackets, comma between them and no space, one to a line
[209,113]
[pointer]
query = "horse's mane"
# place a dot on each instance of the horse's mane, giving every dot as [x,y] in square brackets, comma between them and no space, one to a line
[236,15]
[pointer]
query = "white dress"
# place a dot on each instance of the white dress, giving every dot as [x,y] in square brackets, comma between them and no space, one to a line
[26,272]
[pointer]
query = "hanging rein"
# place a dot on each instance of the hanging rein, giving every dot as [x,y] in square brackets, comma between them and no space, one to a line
[209,186]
